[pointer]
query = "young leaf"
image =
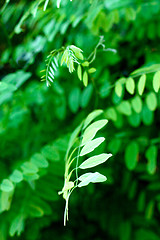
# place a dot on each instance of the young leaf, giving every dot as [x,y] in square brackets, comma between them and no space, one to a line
[29,167]
[91,131]
[118,89]
[91,178]
[91,70]
[79,72]
[85,79]
[141,84]
[125,108]
[151,101]
[130,85]
[85,64]
[7,185]
[39,160]
[136,103]
[16,176]
[91,117]
[91,145]
[156,81]
[95,160]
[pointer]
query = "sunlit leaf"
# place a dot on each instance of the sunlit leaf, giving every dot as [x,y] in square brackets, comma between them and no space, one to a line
[91,178]
[91,145]
[95,160]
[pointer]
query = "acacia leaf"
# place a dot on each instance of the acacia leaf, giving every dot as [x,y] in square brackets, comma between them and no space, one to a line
[91,145]
[91,178]
[95,160]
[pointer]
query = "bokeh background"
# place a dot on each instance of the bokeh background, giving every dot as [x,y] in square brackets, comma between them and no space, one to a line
[36,121]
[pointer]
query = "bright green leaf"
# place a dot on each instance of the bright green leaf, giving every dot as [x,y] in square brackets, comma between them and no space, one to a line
[141,84]
[91,117]
[91,131]
[7,185]
[130,85]
[16,176]
[91,178]
[91,145]
[151,101]
[79,72]
[118,89]
[91,70]
[156,81]
[136,103]
[125,108]
[85,79]
[95,160]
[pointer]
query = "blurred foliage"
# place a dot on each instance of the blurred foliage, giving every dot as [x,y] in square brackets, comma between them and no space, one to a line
[36,121]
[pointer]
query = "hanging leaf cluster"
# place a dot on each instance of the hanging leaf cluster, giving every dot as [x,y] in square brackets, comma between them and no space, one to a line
[83,142]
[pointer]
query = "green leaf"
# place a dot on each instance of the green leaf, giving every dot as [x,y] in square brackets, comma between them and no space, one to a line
[68,185]
[145,70]
[134,119]
[91,70]
[29,168]
[51,153]
[91,117]
[111,113]
[85,79]
[17,225]
[91,131]
[7,185]
[5,200]
[147,115]
[156,81]
[131,155]
[79,72]
[16,176]
[95,160]
[73,137]
[118,89]
[74,99]
[35,211]
[39,160]
[151,101]
[136,103]
[30,176]
[86,96]
[130,85]
[151,155]
[141,84]
[91,145]
[91,178]
[85,64]
[125,108]
[149,210]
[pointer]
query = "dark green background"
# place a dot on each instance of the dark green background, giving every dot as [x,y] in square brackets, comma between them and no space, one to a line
[32,116]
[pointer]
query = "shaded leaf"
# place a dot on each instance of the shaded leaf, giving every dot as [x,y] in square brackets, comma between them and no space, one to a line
[131,155]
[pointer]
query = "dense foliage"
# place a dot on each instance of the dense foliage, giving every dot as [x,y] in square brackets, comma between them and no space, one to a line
[92,55]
